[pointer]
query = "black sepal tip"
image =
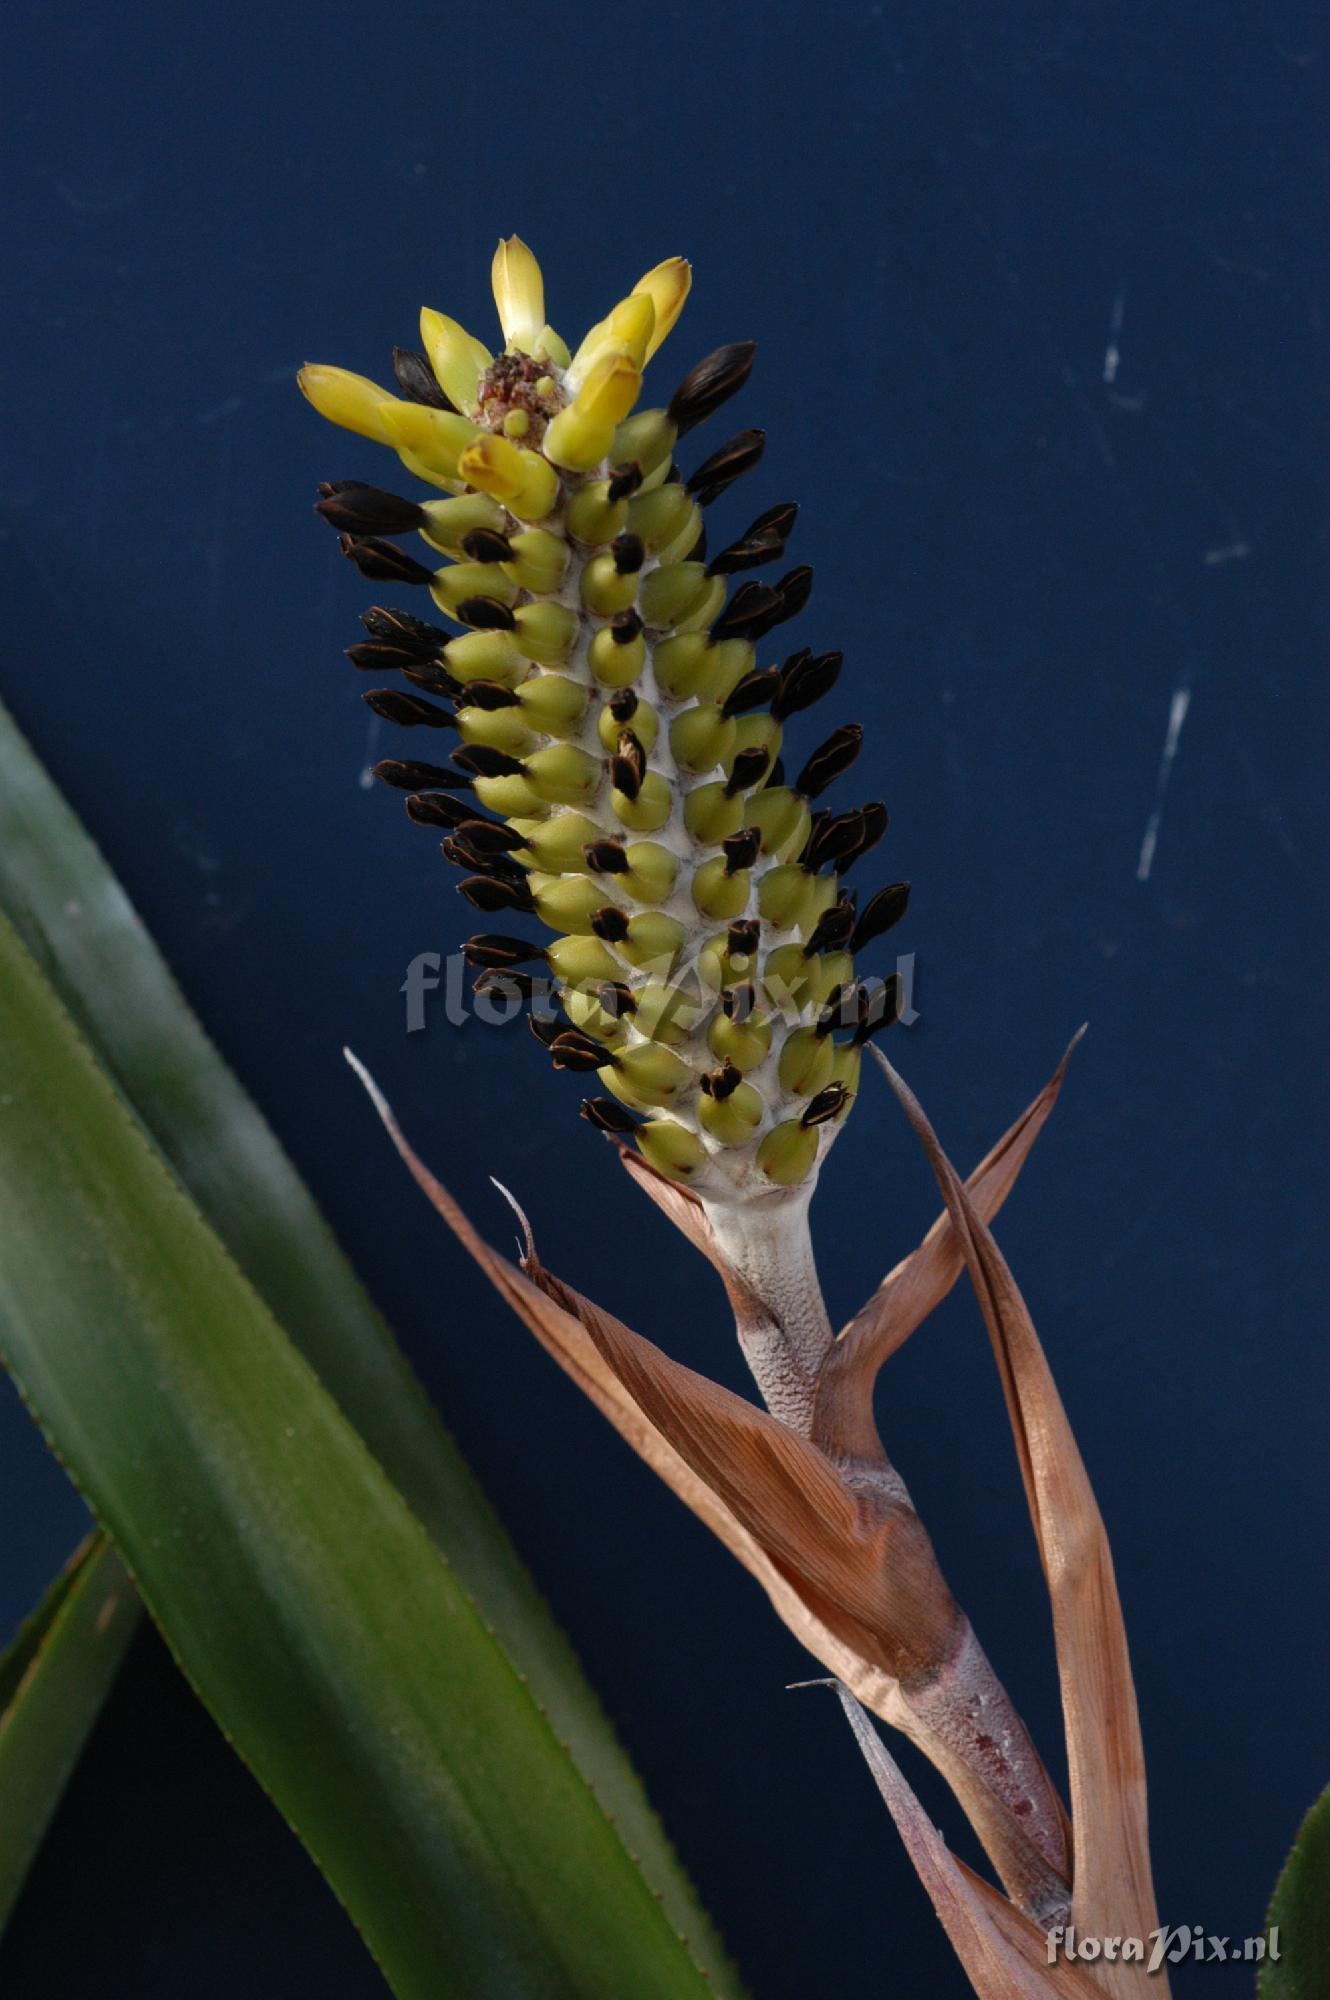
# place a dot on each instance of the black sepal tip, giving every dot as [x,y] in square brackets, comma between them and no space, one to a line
[716,378]
[883,910]
[607,1115]
[408,711]
[830,760]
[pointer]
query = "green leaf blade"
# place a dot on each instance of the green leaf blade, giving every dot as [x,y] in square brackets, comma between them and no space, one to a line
[305,1601]
[79,925]
[53,1681]
[1298,1925]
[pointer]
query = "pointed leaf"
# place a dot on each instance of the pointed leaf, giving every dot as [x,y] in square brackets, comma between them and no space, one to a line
[1300,1915]
[341,1655]
[1004,1954]
[579,1334]
[843,1410]
[77,921]
[1113,1894]
[53,1680]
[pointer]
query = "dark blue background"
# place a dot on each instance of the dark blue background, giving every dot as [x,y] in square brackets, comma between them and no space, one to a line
[933,218]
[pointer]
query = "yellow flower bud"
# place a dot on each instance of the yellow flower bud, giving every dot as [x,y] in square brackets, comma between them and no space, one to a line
[720,895]
[583,962]
[446,521]
[563,774]
[805,1062]
[789,979]
[436,438]
[511,798]
[587,1011]
[647,439]
[755,732]
[458,360]
[651,873]
[519,294]
[653,940]
[540,560]
[546,632]
[352,401]
[833,969]
[632,325]
[731,660]
[550,347]
[654,1074]
[605,590]
[666,1013]
[683,544]
[710,816]
[785,896]
[720,966]
[685,666]
[745,1043]
[734,1119]
[555,704]
[845,1068]
[822,893]
[557,843]
[671,593]
[661,517]
[707,608]
[668,285]
[615,663]
[454,585]
[568,902]
[502,728]
[592,517]
[787,1153]
[701,738]
[650,810]
[484,656]
[671,1148]
[783,819]
[645,724]
[573,441]
[521,479]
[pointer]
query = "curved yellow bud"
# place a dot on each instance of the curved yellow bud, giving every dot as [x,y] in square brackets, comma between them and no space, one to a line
[519,294]
[436,437]
[549,347]
[457,358]
[352,401]
[667,285]
[508,472]
[611,388]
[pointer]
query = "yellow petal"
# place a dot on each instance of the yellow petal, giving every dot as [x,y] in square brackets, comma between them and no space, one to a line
[632,324]
[521,479]
[436,437]
[458,360]
[549,347]
[667,287]
[519,294]
[352,401]
[610,390]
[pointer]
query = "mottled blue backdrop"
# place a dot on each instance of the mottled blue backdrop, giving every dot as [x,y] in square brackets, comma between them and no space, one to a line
[1041,301]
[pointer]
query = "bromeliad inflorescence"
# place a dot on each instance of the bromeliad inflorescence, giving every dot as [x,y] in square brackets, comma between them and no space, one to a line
[620,777]
[620,773]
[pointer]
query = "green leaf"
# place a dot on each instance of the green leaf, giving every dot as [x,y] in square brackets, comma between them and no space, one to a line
[1300,1913]
[78,923]
[315,1617]
[53,1680]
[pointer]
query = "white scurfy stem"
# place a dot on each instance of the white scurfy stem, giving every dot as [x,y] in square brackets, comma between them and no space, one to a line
[766,1238]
